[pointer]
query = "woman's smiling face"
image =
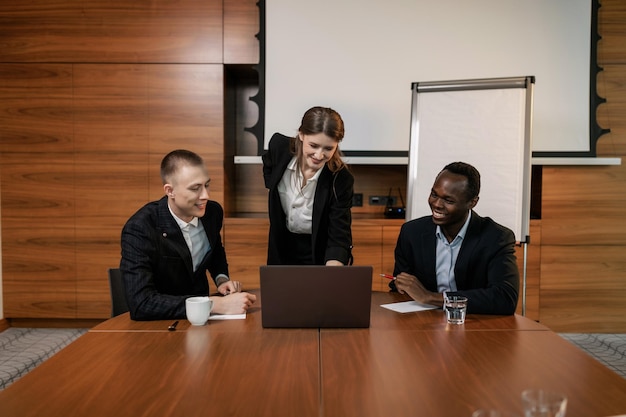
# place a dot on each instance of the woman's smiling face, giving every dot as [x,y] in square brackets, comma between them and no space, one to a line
[317,150]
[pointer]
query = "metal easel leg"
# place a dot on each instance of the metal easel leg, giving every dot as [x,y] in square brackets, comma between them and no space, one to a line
[524,279]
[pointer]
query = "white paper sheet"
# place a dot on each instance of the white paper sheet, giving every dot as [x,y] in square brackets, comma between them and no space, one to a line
[408,306]
[227,316]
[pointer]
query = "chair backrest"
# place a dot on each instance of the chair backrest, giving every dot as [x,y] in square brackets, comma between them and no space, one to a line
[118,295]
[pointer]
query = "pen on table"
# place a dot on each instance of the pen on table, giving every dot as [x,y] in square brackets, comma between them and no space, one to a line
[388,276]
[172,326]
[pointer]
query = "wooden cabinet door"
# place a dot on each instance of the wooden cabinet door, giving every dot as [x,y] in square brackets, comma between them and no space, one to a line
[245,241]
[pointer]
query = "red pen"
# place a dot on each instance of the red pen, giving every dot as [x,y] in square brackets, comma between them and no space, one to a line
[388,276]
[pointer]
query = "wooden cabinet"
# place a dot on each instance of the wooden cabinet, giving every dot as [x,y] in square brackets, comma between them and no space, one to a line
[241,25]
[245,241]
[374,242]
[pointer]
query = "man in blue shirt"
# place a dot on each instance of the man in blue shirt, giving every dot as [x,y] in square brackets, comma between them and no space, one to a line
[454,251]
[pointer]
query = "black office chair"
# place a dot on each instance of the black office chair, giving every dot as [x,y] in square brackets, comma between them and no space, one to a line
[118,296]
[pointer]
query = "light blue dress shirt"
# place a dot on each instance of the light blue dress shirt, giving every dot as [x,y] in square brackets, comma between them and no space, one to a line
[196,238]
[447,253]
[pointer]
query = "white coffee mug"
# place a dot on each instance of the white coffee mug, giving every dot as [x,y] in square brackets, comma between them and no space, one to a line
[198,310]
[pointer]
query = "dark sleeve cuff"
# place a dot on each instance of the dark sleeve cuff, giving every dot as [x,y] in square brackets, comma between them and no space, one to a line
[220,279]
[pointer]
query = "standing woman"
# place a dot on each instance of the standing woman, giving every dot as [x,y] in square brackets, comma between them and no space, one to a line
[310,194]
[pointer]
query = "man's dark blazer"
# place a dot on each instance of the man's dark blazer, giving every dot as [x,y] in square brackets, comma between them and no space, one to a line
[332,219]
[485,272]
[156,265]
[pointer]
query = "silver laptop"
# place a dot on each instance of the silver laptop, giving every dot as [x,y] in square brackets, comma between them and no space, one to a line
[316,296]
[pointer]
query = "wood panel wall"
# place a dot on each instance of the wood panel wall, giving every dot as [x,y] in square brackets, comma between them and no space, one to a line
[92,94]
[583,226]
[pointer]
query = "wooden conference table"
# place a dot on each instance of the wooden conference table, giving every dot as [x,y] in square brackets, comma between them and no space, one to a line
[411,364]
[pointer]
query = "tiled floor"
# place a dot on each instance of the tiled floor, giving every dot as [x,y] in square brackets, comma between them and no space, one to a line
[21,349]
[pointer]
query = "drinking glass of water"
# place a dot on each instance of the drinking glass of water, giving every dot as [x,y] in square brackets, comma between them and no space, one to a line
[540,403]
[456,307]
